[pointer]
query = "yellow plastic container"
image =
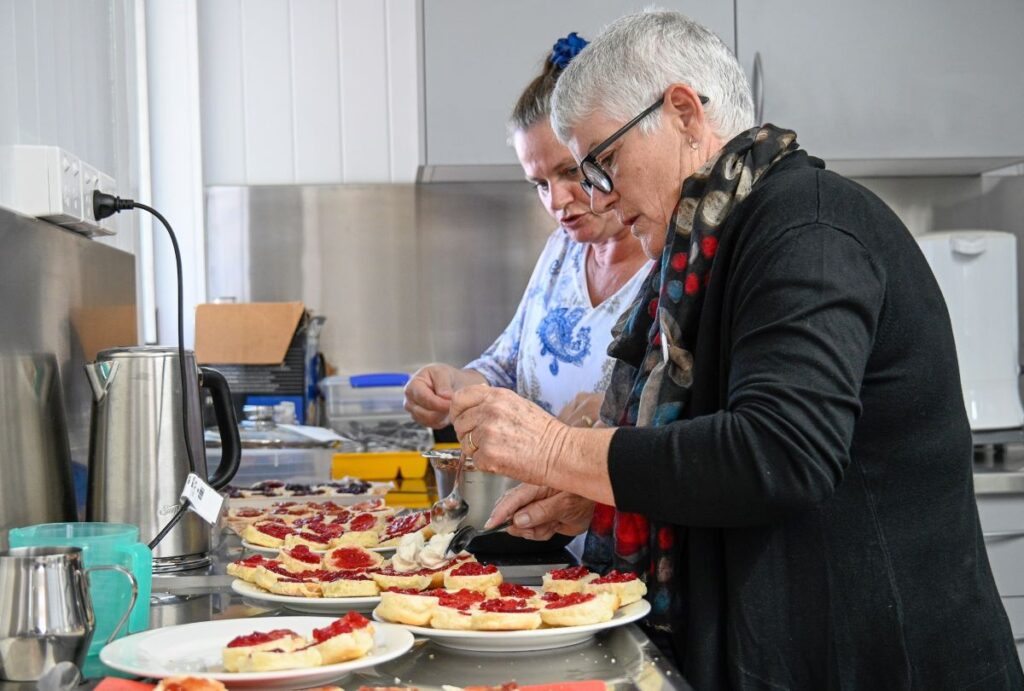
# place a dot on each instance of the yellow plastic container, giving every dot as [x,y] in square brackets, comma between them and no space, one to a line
[379,466]
[409,500]
[412,484]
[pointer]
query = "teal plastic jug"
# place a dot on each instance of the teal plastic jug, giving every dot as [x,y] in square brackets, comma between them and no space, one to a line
[102,544]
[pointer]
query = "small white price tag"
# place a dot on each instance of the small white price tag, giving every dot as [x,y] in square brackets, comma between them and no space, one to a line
[203,499]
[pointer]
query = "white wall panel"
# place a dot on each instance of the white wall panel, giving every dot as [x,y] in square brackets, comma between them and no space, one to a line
[365,110]
[46,70]
[403,62]
[8,75]
[316,107]
[267,84]
[222,98]
[28,82]
[64,59]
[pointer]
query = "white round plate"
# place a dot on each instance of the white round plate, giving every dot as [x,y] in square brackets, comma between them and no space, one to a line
[273,551]
[314,605]
[518,641]
[378,490]
[195,650]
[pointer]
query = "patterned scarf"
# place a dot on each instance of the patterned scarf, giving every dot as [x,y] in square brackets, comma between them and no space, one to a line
[654,341]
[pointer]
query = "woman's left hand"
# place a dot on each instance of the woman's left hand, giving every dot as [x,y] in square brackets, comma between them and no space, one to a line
[506,434]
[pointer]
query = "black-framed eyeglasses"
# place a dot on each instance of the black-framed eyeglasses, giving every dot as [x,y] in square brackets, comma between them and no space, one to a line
[596,176]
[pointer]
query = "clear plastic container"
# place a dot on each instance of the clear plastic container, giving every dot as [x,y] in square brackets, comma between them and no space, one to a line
[363,395]
[369,410]
[270,452]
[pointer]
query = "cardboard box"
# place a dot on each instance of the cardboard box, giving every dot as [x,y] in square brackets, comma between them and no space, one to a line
[268,352]
[254,333]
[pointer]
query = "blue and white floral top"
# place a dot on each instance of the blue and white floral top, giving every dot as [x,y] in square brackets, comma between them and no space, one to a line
[557,343]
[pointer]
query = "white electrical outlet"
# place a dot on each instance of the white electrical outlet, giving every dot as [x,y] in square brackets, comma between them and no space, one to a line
[92,180]
[52,184]
[109,225]
[41,181]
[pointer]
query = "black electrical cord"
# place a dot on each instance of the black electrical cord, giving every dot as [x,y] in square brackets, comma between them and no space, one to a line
[104,205]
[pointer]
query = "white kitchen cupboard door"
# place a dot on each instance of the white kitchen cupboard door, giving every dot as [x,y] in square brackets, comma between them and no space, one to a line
[479,56]
[883,87]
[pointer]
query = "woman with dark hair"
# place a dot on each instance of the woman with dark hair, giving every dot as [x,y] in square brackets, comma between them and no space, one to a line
[554,351]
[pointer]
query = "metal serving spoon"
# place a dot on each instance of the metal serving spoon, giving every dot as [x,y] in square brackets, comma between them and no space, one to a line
[467,533]
[447,513]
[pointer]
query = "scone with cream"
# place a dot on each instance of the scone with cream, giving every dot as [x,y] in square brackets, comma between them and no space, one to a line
[348,584]
[361,530]
[503,614]
[577,609]
[454,609]
[307,538]
[472,575]
[246,568]
[242,646]
[266,534]
[412,607]
[347,638]
[351,558]
[626,586]
[275,660]
[299,558]
[565,581]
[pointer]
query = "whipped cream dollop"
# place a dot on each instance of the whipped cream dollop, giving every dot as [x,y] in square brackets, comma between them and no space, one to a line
[415,553]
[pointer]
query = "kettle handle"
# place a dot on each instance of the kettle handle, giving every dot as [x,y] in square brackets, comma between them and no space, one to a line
[227,425]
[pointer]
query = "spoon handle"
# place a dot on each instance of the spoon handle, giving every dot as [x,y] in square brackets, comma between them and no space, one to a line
[496,529]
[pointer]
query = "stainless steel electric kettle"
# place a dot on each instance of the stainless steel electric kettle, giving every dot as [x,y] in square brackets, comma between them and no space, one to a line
[137,456]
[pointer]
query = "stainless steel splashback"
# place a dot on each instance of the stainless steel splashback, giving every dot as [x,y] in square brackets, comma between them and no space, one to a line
[405,274]
[63,297]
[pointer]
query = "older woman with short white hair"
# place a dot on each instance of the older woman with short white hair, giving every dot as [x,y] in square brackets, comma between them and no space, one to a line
[789,460]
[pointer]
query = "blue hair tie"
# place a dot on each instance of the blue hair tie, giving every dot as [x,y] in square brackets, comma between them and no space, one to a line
[565,49]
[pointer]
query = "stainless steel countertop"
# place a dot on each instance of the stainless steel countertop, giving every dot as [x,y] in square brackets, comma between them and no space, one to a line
[623,657]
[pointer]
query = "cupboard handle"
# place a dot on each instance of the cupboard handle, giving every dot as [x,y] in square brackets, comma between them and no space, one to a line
[758,89]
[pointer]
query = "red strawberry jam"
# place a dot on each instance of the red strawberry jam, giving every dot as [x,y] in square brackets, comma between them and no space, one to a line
[570,600]
[460,599]
[248,513]
[515,590]
[347,624]
[364,521]
[572,574]
[334,576]
[278,530]
[304,554]
[614,576]
[433,592]
[260,637]
[350,558]
[474,568]
[390,571]
[314,537]
[551,597]
[405,525]
[253,561]
[368,505]
[506,606]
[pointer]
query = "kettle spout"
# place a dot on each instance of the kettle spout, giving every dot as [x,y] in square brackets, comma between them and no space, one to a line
[100,374]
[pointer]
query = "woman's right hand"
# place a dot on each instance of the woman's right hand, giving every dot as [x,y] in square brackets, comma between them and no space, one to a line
[537,513]
[428,395]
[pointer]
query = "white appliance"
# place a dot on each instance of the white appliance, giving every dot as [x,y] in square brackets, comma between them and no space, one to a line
[977,272]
